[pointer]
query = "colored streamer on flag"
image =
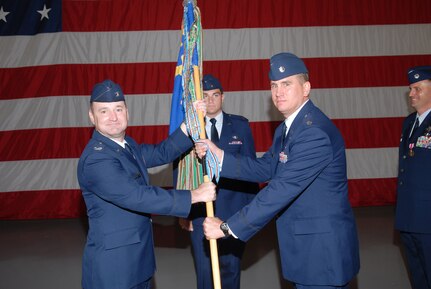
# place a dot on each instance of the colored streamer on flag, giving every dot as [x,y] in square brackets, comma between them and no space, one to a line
[185,93]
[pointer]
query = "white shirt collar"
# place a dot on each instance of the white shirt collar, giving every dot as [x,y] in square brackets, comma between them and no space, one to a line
[423,116]
[122,144]
[219,123]
[219,118]
[289,120]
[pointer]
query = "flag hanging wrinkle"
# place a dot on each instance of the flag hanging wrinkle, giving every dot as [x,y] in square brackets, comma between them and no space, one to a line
[186,91]
[190,62]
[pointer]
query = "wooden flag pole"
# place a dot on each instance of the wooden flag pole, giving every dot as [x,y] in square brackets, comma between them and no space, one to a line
[209,205]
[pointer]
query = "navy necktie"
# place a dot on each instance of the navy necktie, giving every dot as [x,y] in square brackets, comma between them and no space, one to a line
[129,150]
[214,133]
[415,127]
[283,135]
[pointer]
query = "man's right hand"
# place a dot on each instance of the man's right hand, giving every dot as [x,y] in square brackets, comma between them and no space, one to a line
[202,145]
[206,192]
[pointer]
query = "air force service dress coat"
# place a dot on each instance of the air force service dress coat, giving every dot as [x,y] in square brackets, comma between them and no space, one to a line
[413,211]
[307,190]
[115,185]
[235,138]
[232,195]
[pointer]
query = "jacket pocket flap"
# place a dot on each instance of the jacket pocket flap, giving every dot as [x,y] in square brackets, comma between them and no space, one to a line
[122,238]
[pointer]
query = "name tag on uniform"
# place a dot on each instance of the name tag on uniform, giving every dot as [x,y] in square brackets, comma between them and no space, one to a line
[235,141]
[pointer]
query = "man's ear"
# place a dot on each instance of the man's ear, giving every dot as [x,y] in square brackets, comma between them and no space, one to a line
[91,116]
[307,88]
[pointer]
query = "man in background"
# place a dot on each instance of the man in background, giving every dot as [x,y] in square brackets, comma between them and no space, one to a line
[413,209]
[233,134]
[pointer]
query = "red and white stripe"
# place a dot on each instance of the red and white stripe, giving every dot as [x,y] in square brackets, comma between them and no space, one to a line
[357,53]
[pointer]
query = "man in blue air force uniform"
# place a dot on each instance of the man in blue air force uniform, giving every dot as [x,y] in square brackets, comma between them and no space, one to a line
[233,134]
[307,187]
[112,174]
[413,210]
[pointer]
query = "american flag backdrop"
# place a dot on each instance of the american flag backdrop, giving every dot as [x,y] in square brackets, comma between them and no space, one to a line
[53,52]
